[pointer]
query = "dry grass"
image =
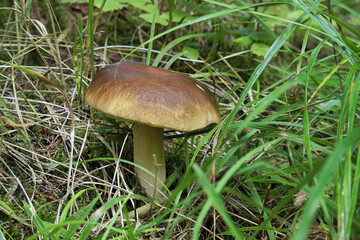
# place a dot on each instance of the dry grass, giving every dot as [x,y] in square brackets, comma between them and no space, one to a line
[58,155]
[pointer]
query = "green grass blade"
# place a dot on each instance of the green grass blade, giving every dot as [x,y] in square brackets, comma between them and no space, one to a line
[91,30]
[174,43]
[224,180]
[306,126]
[325,176]
[99,213]
[215,198]
[275,47]
[201,19]
[79,215]
[152,33]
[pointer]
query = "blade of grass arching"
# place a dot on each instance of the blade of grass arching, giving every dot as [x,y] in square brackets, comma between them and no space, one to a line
[216,199]
[333,71]
[324,177]
[355,191]
[257,14]
[62,226]
[259,19]
[316,171]
[97,215]
[257,199]
[348,92]
[275,47]
[174,43]
[184,180]
[306,126]
[261,106]
[345,6]
[130,229]
[170,227]
[223,181]
[70,202]
[67,207]
[343,184]
[36,220]
[79,215]
[351,183]
[152,32]
[326,26]
[201,19]
[344,197]
[173,59]
[342,24]
[228,154]
[264,103]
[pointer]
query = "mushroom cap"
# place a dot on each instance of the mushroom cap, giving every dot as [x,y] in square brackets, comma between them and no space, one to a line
[153,96]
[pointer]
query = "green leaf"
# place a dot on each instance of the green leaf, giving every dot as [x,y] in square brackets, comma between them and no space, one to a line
[144,5]
[260,49]
[148,17]
[178,16]
[110,5]
[190,52]
[243,41]
[6,207]
[79,215]
[36,220]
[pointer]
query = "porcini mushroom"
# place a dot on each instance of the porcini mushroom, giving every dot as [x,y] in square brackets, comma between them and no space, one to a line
[153,99]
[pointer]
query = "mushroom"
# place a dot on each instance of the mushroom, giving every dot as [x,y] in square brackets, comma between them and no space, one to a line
[153,99]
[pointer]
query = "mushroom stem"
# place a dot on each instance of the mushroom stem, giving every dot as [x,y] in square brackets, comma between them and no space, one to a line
[149,142]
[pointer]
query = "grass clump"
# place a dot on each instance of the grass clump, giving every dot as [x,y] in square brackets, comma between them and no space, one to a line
[282,164]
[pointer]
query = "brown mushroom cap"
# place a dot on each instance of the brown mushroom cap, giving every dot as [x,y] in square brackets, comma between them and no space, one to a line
[152,96]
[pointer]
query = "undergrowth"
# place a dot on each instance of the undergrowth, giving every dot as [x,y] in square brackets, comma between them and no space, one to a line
[283,163]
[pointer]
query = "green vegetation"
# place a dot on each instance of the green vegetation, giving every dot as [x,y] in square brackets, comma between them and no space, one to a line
[284,162]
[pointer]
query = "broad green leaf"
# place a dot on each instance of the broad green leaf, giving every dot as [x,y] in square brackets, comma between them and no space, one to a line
[243,41]
[178,16]
[149,16]
[144,5]
[190,52]
[260,49]
[110,5]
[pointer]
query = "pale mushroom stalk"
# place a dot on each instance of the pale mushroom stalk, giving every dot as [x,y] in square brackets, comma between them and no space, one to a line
[149,154]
